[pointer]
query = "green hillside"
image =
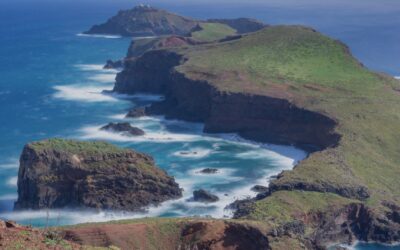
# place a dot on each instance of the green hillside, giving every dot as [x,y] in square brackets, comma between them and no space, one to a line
[212,32]
[319,74]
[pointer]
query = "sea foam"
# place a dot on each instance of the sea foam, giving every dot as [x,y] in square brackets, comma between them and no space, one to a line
[103,78]
[12,182]
[99,36]
[83,93]
[12,164]
[8,197]
[94,132]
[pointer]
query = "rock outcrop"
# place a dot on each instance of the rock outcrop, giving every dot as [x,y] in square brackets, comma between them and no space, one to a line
[260,189]
[136,112]
[60,173]
[124,128]
[110,64]
[202,195]
[209,171]
[142,21]
[259,118]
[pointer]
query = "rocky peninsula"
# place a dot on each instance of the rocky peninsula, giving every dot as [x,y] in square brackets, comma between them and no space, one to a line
[291,85]
[59,173]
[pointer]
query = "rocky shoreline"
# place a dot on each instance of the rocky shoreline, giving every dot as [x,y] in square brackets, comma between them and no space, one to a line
[262,119]
[257,118]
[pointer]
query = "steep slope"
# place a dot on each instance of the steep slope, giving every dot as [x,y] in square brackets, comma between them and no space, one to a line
[292,85]
[59,173]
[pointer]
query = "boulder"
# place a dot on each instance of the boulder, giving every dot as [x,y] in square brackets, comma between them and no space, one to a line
[110,64]
[59,173]
[260,189]
[204,196]
[123,127]
[209,171]
[136,112]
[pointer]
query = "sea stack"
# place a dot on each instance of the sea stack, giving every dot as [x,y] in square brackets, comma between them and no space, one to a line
[59,173]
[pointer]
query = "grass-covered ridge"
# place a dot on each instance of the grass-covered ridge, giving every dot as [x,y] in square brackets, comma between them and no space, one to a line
[281,54]
[317,73]
[76,147]
[212,32]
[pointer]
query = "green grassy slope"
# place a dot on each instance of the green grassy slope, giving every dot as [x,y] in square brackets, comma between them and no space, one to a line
[76,147]
[212,32]
[317,73]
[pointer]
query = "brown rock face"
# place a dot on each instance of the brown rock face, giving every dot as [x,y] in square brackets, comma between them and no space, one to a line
[105,178]
[196,234]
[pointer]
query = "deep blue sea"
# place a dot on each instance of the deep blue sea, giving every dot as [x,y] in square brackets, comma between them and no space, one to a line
[52,78]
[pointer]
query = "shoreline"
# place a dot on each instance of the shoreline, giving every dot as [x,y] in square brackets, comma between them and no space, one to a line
[231,138]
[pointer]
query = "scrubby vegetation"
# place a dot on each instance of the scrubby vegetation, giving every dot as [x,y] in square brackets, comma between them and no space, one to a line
[76,147]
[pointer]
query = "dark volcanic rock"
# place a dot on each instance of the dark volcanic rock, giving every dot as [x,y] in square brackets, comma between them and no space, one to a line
[65,173]
[124,127]
[241,25]
[145,21]
[354,222]
[357,192]
[260,189]
[209,171]
[110,64]
[204,196]
[137,112]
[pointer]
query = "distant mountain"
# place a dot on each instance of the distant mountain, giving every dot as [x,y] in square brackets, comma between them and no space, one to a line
[144,20]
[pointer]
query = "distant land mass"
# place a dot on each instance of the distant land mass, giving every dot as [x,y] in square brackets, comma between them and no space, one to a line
[144,21]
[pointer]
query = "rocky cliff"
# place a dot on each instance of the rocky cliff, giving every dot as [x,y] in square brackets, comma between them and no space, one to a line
[59,173]
[259,118]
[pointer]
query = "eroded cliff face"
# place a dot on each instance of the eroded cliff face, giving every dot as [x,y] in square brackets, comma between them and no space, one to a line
[259,118]
[353,222]
[124,180]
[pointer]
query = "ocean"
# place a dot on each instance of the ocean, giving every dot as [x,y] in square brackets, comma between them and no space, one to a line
[52,80]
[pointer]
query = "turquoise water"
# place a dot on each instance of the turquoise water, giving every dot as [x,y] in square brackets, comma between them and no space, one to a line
[51,82]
